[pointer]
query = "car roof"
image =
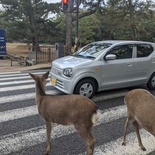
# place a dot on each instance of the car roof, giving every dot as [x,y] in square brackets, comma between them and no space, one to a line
[124,41]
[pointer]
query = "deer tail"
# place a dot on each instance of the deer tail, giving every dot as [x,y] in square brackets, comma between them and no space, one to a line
[96,116]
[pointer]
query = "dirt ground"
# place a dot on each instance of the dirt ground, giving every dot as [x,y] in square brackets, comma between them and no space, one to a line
[20,49]
[5,66]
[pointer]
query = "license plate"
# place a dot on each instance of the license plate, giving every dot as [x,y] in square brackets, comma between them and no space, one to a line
[53,81]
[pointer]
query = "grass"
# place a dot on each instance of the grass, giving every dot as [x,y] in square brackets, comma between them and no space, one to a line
[21,49]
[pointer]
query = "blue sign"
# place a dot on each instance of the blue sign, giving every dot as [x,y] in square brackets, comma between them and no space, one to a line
[2,43]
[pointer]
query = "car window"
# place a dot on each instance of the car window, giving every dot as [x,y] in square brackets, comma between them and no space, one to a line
[92,50]
[122,51]
[144,50]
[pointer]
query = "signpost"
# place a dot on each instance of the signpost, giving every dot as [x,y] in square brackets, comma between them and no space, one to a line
[2,43]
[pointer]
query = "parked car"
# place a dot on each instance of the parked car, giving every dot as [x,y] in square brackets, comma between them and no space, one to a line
[105,65]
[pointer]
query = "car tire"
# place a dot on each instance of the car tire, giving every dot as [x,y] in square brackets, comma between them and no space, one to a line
[85,87]
[151,82]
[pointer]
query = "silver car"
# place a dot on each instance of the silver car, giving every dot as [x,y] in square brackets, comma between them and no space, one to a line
[105,65]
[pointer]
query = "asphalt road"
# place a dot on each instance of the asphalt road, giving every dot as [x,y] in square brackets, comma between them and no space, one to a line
[22,130]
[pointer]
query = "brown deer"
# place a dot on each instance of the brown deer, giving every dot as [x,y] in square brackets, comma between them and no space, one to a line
[77,110]
[140,107]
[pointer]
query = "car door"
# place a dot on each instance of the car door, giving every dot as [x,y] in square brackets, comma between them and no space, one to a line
[143,65]
[118,73]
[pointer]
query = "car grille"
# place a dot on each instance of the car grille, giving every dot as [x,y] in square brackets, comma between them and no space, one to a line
[60,84]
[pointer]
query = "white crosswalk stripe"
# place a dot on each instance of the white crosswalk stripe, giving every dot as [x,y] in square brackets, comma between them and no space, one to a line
[3,76]
[131,148]
[16,141]
[18,113]
[15,82]
[20,87]
[14,98]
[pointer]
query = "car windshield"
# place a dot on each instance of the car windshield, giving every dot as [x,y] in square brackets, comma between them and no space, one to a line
[92,50]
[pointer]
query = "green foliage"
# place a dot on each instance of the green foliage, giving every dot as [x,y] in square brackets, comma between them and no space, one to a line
[115,19]
[89,29]
[28,18]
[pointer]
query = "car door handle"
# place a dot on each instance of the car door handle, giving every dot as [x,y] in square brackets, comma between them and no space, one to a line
[129,65]
[153,59]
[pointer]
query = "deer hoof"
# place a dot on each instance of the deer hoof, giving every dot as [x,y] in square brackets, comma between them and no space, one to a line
[143,148]
[123,143]
[46,152]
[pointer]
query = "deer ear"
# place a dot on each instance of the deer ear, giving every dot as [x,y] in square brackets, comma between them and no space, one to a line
[32,75]
[46,75]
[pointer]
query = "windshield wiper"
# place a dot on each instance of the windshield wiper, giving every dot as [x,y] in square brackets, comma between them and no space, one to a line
[79,56]
[90,57]
[84,56]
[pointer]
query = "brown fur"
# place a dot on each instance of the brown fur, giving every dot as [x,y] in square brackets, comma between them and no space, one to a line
[140,107]
[65,109]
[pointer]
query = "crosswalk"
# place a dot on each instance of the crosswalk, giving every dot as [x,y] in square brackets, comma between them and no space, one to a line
[23,132]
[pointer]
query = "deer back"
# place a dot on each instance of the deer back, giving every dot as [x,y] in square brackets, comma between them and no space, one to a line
[66,109]
[141,105]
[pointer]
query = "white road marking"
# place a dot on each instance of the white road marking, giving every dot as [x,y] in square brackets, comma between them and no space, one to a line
[18,74]
[132,148]
[112,114]
[6,73]
[22,87]
[15,82]
[18,113]
[15,78]
[28,138]
[18,77]
[105,116]
[22,97]
[35,136]
[14,98]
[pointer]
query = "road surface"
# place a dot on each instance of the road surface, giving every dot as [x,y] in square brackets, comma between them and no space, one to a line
[22,130]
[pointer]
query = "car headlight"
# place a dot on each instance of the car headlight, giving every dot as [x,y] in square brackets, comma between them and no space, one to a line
[67,72]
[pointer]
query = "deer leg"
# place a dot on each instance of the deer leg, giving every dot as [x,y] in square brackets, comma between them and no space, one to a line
[48,133]
[136,127]
[90,141]
[85,132]
[125,130]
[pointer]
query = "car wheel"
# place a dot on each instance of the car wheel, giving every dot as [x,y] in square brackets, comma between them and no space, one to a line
[151,82]
[86,88]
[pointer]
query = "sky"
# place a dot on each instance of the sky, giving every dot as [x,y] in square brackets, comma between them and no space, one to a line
[49,1]
[52,1]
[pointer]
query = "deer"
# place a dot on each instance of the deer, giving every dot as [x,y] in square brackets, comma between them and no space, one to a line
[141,108]
[76,110]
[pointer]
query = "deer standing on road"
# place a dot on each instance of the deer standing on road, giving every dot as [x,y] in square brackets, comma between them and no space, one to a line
[77,110]
[140,107]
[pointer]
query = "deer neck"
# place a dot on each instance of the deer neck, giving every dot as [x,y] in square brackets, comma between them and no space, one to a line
[40,91]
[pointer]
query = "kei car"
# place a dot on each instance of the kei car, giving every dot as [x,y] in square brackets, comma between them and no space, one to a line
[105,65]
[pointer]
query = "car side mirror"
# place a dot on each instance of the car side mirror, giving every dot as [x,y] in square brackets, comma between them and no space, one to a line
[110,57]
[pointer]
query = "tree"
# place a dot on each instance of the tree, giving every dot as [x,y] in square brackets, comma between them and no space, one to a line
[122,19]
[28,18]
[90,8]
[88,31]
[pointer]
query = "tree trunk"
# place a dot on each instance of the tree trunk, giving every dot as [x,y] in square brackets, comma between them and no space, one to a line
[68,44]
[132,26]
[70,19]
[35,44]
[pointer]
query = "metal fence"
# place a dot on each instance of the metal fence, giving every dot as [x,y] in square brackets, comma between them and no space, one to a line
[47,53]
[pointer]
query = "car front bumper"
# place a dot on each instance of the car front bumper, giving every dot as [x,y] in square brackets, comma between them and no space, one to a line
[61,83]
